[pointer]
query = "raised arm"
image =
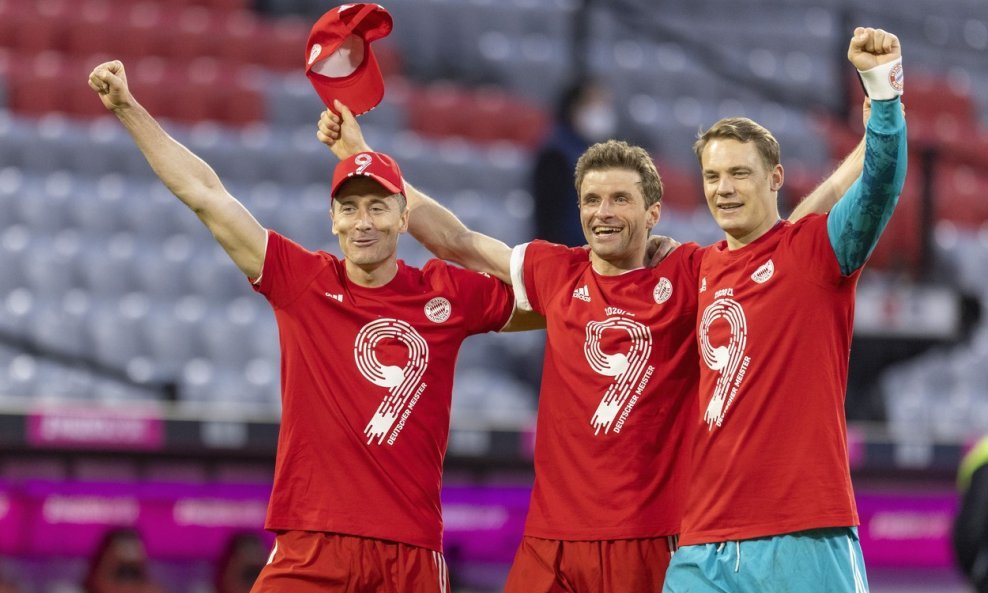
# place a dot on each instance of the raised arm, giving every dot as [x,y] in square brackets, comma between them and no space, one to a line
[857,220]
[833,188]
[187,176]
[431,223]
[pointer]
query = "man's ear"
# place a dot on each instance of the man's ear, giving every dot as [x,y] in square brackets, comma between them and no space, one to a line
[653,214]
[404,221]
[778,177]
[332,220]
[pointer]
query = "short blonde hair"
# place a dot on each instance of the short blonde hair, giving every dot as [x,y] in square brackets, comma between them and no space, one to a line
[743,130]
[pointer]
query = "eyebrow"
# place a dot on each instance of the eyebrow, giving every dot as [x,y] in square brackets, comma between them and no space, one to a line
[349,201]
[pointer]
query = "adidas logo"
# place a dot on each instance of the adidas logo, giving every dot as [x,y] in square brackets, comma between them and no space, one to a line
[582,293]
[338,297]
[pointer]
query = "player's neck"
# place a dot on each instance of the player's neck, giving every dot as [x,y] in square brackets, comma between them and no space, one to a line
[747,238]
[615,266]
[372,275]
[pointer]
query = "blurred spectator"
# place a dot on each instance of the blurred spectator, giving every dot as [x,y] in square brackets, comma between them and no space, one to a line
[120,565]
[585,114]
[9,585]
[971,524]
[240,563]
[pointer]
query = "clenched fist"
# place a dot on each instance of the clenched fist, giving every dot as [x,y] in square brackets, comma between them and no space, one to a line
[872,47]
[110,81]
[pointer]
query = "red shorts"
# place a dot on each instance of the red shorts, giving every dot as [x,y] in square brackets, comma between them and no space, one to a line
[319,562]
[606,566]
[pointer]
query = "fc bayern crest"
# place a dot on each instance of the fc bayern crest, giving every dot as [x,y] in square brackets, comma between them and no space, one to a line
[663,290]
[895,77]
[438,310]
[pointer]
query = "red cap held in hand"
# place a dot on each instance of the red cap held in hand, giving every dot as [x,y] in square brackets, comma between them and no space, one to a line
[339,61]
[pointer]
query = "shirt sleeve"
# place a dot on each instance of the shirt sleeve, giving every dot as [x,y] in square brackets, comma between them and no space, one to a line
[808,251]
[528,273]
[287,270]
[856,222]
[488,301]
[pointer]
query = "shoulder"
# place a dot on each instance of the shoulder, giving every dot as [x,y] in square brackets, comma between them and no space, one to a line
[685,259]
[810,227]
[437,271]
[544,249]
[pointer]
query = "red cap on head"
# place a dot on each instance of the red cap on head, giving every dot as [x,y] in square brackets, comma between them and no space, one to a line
[376,165]
[338,58]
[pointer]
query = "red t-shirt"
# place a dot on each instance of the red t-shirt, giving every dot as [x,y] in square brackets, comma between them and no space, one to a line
[366,378]
[774,332]
[618,396]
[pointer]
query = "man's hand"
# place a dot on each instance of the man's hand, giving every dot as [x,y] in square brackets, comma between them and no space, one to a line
[659,247]
[341,133]
[110,81]
[872,47]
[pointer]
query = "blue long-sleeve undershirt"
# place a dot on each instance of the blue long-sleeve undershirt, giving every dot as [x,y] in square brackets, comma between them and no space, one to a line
[856,222]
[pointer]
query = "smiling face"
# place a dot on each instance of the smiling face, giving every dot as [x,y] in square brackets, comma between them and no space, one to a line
[741,189]
[615,219]
[741,178]
[367,218]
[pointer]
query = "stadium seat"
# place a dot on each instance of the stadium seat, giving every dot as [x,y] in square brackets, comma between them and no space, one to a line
[681,188]
[108,267]
[960,191]
[171,330]
[115,330]
[227,337]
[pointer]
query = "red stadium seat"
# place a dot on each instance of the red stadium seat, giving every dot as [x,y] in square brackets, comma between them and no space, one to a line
[193,35]
[40,87]
[681,189]
[901,245]
[437,110]
[34,33]
[239,105]
[937,113]
[960,191]
[282,44]
[487,115]
[388,58]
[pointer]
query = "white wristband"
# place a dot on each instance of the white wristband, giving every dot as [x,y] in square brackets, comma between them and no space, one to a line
[883,82]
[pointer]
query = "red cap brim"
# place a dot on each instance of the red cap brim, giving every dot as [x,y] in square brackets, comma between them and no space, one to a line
[360,91]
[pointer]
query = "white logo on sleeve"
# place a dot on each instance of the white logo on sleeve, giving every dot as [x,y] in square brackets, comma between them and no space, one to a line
[728,359]
[703,284]
[403,383]
[662,291]
[582,293]
[764,273]
[628,369]
[314,52]
[438,310]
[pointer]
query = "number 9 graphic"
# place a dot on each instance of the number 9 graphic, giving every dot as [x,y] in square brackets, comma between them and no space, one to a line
[625,368]
[364,160]
[726,359]
[401,382]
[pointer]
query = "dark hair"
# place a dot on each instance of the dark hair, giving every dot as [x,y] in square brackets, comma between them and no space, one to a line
[110,538]
[743,130]
[618,154]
